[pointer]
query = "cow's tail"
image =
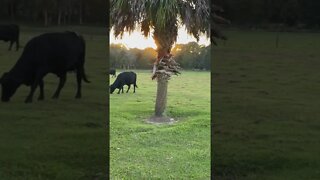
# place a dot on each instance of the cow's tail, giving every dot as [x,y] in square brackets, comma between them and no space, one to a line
[83,55]
[135,81]
[83,74]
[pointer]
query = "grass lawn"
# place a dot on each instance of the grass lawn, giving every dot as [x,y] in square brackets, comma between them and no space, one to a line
[139,150]
[266,106]
[57,139]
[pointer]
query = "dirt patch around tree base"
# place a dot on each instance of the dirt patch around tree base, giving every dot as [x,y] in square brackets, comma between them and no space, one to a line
[160,120]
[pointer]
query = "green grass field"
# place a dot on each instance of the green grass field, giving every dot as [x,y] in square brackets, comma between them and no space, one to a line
[266,117]
[139,150]
[266,106]
[57,139]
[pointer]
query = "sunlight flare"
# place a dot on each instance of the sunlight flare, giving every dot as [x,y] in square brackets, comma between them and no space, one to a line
[136,39]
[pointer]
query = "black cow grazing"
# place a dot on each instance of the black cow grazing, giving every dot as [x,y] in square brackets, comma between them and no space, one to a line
[55,53]
[124,78]
[10,33]
[113,73]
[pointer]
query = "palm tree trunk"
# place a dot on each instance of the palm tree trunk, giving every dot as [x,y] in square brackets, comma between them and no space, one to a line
[164,42]
[162,87]
[161,100]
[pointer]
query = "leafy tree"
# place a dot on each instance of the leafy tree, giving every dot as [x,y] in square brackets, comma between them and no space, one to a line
[190,56]
[53,11]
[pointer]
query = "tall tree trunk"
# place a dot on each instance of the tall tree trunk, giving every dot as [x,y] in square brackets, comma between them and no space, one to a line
[162,86]
[161,101]
[69,16]
[12,11]
[64,18]
[164,41]
[80,12]
[45,14]
[59,17]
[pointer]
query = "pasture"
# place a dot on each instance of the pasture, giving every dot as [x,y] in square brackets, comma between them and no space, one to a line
[266,106]
[57,139]
[139,150]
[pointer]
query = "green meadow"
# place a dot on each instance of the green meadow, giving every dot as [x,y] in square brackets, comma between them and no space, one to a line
[57,139]
[139,150]
[266,106]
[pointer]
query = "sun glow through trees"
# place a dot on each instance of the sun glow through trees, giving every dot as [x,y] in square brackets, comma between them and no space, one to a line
[137,40]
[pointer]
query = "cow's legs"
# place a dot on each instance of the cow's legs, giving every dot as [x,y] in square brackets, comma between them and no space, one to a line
[10,46]
[79,78]
[34,85]
[17,45]
[122,89]
[60,86]
[41,96]
[128,87]
[134,88]
[119,90]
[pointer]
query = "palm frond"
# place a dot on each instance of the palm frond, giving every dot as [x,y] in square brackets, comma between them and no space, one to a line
[122,17]
[195,15]
[159,14]
[216,33]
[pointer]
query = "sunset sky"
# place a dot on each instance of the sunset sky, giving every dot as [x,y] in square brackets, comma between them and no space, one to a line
[137,40]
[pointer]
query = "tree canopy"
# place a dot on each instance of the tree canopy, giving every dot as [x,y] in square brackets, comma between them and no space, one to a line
[53,12]
[164,16]
[267,12]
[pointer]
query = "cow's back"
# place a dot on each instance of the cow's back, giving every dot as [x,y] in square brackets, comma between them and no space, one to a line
[51,53]
[128,77]
[55,51]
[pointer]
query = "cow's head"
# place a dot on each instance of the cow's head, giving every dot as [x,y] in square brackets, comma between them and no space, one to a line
[9,87]
[112,88]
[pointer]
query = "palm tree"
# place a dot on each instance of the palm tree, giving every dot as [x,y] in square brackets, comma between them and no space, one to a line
[164,17]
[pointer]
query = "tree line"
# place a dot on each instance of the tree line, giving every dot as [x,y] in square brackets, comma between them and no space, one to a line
[189,56]
[54,12]
[290,13]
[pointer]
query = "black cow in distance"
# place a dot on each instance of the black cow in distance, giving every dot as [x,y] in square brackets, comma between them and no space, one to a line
[124,78]
[10,33]
[113,72]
